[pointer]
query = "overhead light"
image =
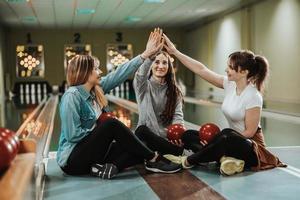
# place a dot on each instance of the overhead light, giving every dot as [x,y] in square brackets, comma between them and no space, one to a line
[154,1]
[17,1]
[29,19]
[84,11]
[133,19]
[200,10]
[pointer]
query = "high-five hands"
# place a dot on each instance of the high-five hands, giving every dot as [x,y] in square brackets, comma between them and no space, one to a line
[169,46]
[155,43]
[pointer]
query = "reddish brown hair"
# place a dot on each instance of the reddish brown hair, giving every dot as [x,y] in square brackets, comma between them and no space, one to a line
[257,66]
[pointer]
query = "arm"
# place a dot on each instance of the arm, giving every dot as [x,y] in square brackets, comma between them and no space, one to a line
[178,114]
[117,77]
[252,117]
[141,77]
[194,65]
[70,118]
[178,119]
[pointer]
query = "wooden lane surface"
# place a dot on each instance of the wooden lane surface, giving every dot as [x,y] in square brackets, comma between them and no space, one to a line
[181,185]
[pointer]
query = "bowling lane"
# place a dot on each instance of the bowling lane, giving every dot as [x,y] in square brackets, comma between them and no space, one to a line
[135,183]
[128,185]
[270,184]
[269,105]
[277,132]
[254,185]
[17,110]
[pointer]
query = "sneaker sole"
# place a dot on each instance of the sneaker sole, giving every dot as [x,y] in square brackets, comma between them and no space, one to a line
[162,171]
[230,167]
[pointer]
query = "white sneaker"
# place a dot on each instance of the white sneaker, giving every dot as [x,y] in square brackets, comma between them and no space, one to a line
[184,166]
[178,160]
[230,165]
[174,159]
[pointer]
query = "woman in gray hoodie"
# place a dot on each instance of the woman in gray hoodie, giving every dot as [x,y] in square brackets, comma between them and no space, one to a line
[159,103]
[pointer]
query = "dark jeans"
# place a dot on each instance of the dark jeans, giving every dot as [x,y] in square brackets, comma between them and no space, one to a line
[191,140]
[157,143]
[97,146]
[229,143]
[123,159]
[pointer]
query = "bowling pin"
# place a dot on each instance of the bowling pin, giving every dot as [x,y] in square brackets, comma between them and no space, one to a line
[26,89]
[39,88]
[22,99]
[45,88]
[21,89]
[39,97]
[33,99]
[32,89]
[27,99]
[117,91]
[122,90]
[127,90]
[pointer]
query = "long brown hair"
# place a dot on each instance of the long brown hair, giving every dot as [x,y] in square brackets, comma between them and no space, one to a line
[257,66]
[173,92]
[78,71]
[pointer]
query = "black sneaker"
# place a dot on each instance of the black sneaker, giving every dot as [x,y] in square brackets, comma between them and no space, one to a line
[105,171]
[162,165]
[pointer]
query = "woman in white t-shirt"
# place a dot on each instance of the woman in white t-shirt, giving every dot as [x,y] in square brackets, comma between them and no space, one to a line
[242,105]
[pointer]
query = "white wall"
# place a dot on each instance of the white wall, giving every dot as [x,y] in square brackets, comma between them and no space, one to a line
[211,45]
[276,34]
[270,28]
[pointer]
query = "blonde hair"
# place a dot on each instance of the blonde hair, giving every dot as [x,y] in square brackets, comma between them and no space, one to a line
[78,71]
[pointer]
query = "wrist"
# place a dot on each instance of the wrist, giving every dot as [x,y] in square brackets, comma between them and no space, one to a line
[176,52]
[144,56]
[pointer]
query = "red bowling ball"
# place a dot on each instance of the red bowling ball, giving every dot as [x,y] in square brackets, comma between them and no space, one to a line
[208,131]
[105,116]
[175,131]
[10,136]
[9,145]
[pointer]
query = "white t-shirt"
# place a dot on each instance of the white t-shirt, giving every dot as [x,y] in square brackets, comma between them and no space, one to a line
[234,106]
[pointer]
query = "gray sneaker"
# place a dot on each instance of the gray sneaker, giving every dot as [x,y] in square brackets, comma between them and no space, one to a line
[162,165]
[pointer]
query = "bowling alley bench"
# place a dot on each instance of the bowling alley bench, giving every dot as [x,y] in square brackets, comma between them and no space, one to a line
[24,177]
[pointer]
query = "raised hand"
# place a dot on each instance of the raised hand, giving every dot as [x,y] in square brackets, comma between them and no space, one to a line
[169,45]
[154,44]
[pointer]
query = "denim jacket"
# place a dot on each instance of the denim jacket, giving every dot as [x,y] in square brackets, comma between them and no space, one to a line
[78,117]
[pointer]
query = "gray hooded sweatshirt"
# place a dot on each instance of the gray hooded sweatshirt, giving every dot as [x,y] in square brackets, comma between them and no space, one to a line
[151,98]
